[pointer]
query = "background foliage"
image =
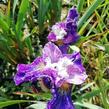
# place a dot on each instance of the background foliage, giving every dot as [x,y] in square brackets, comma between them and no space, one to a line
[24,25]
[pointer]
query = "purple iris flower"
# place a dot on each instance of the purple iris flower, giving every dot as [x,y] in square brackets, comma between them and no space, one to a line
[65,32]
[63,70]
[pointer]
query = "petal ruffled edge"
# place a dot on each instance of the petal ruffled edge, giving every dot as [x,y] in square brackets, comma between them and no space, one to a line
[25,72]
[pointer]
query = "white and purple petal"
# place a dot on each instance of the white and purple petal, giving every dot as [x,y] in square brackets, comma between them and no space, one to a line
[77,75]
[73,71]
[58,32]
[25,72]
[52,52]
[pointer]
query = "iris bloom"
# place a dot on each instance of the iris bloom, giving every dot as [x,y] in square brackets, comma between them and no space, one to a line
[62,70]
[65,33]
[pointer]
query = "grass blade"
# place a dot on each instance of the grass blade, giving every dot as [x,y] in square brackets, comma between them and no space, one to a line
[43,6]
[89,11]
[88,105]
[14,5]
[3,24]
[22,13]
[11,102]
[80,5]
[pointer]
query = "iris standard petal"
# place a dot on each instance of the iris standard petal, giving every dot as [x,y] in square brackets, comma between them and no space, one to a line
[72,14]
[52,52]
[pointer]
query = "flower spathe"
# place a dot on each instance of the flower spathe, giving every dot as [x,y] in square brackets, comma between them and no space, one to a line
[60,68]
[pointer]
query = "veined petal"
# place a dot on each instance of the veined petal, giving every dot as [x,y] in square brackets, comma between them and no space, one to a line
[25,72]
[71,71]
[77,74]
[52,52]
[77,79]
